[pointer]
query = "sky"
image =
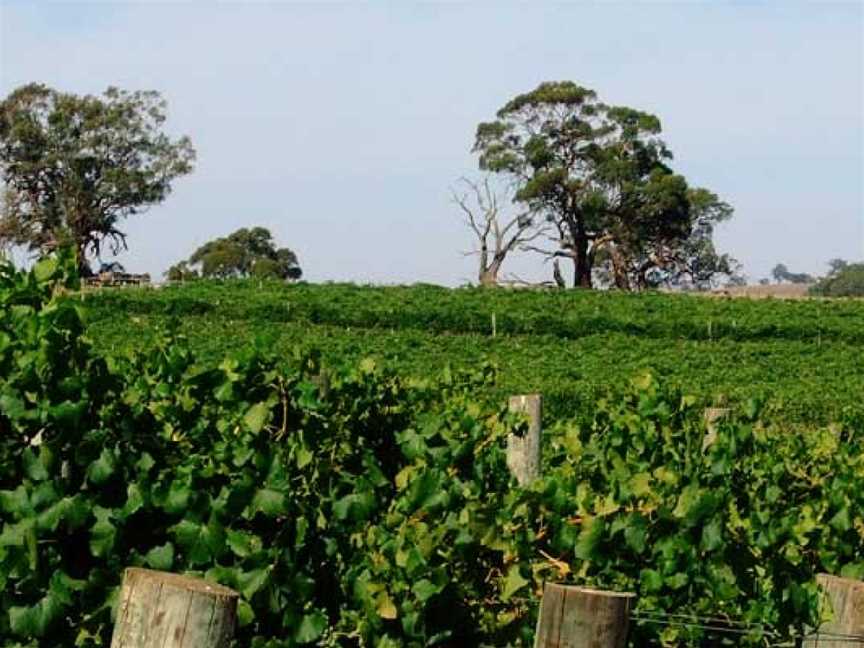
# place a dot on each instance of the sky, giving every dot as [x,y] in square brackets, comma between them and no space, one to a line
[343,126]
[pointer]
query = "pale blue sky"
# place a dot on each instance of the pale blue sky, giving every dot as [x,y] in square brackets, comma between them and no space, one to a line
[341,126]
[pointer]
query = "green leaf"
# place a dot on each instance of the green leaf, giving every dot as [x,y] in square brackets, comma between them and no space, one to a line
[853,570]
[252,581]
[134,500]
[73,510]
[245,613]
[513,582]
[712,534]
[425,589]
[16,503]
[589,538]
[45,269]
[385,607]
[243,544]
[202,543]
[694,503]
[19,534]
[35,467]
[103,533]
[651,580]
[635,533]
[145,463]
[841,520]
[269,502]
[256,417]
[35,621]
[101,470]
[43,495]
[355,507]
[304,457]
[177,500]
[311,627]
[64,587]
[426,490]
[161,558]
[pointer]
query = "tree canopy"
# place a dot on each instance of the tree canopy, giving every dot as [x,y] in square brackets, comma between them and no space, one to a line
[600,175]
[843,280]
[73,167]
[782,274]
[245,253]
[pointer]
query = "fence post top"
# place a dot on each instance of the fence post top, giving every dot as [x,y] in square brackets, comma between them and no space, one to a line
[850,583]
[590,591]
[187,583]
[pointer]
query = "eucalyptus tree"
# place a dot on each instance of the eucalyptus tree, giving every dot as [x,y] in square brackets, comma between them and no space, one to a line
[692,262]
[248,252]
[598,174]
[73,167]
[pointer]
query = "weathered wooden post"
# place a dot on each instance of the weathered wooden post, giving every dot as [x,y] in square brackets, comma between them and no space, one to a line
[712,416]
[162,610]
[523,453]
[581,617]
[846,598]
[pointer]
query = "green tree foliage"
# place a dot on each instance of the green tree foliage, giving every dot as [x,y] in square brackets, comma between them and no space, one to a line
[73,167]
[245,253]
[600,175]
[781,274]
[844,280]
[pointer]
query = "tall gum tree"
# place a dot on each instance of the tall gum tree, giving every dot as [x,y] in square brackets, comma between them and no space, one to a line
[598,174]
[73,167]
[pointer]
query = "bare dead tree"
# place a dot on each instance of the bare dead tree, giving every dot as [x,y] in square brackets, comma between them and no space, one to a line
[498,232]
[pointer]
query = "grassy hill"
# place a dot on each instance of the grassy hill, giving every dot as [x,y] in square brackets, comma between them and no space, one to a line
[805,358]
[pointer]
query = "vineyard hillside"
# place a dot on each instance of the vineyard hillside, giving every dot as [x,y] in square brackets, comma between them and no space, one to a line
[337,455]
[803,359]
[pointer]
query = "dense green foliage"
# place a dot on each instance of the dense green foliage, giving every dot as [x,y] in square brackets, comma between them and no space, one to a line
[359,507]
[73,167]
[600,176]
[282,485]
[244,253]
[804,357]
[846,281]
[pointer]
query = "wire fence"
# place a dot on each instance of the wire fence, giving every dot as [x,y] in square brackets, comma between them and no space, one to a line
[721,628]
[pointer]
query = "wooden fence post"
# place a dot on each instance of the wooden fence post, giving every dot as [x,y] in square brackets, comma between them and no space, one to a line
[580,617]
[162,610]
[712,416]
[846,597]
[523,453]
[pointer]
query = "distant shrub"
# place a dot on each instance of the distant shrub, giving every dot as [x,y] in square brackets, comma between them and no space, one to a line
[845,282]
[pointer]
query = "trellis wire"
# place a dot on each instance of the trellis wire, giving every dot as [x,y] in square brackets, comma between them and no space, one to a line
[721,625]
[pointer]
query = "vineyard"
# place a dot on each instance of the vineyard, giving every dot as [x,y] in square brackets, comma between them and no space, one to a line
[802,358]
[336,454]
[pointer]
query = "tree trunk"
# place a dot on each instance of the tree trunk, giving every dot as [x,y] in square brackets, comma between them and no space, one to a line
[582,264]
[84,269]
[619,268]
[489,277]
[483,273]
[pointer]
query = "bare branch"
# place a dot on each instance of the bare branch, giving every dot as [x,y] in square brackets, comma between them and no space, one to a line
[480,205]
